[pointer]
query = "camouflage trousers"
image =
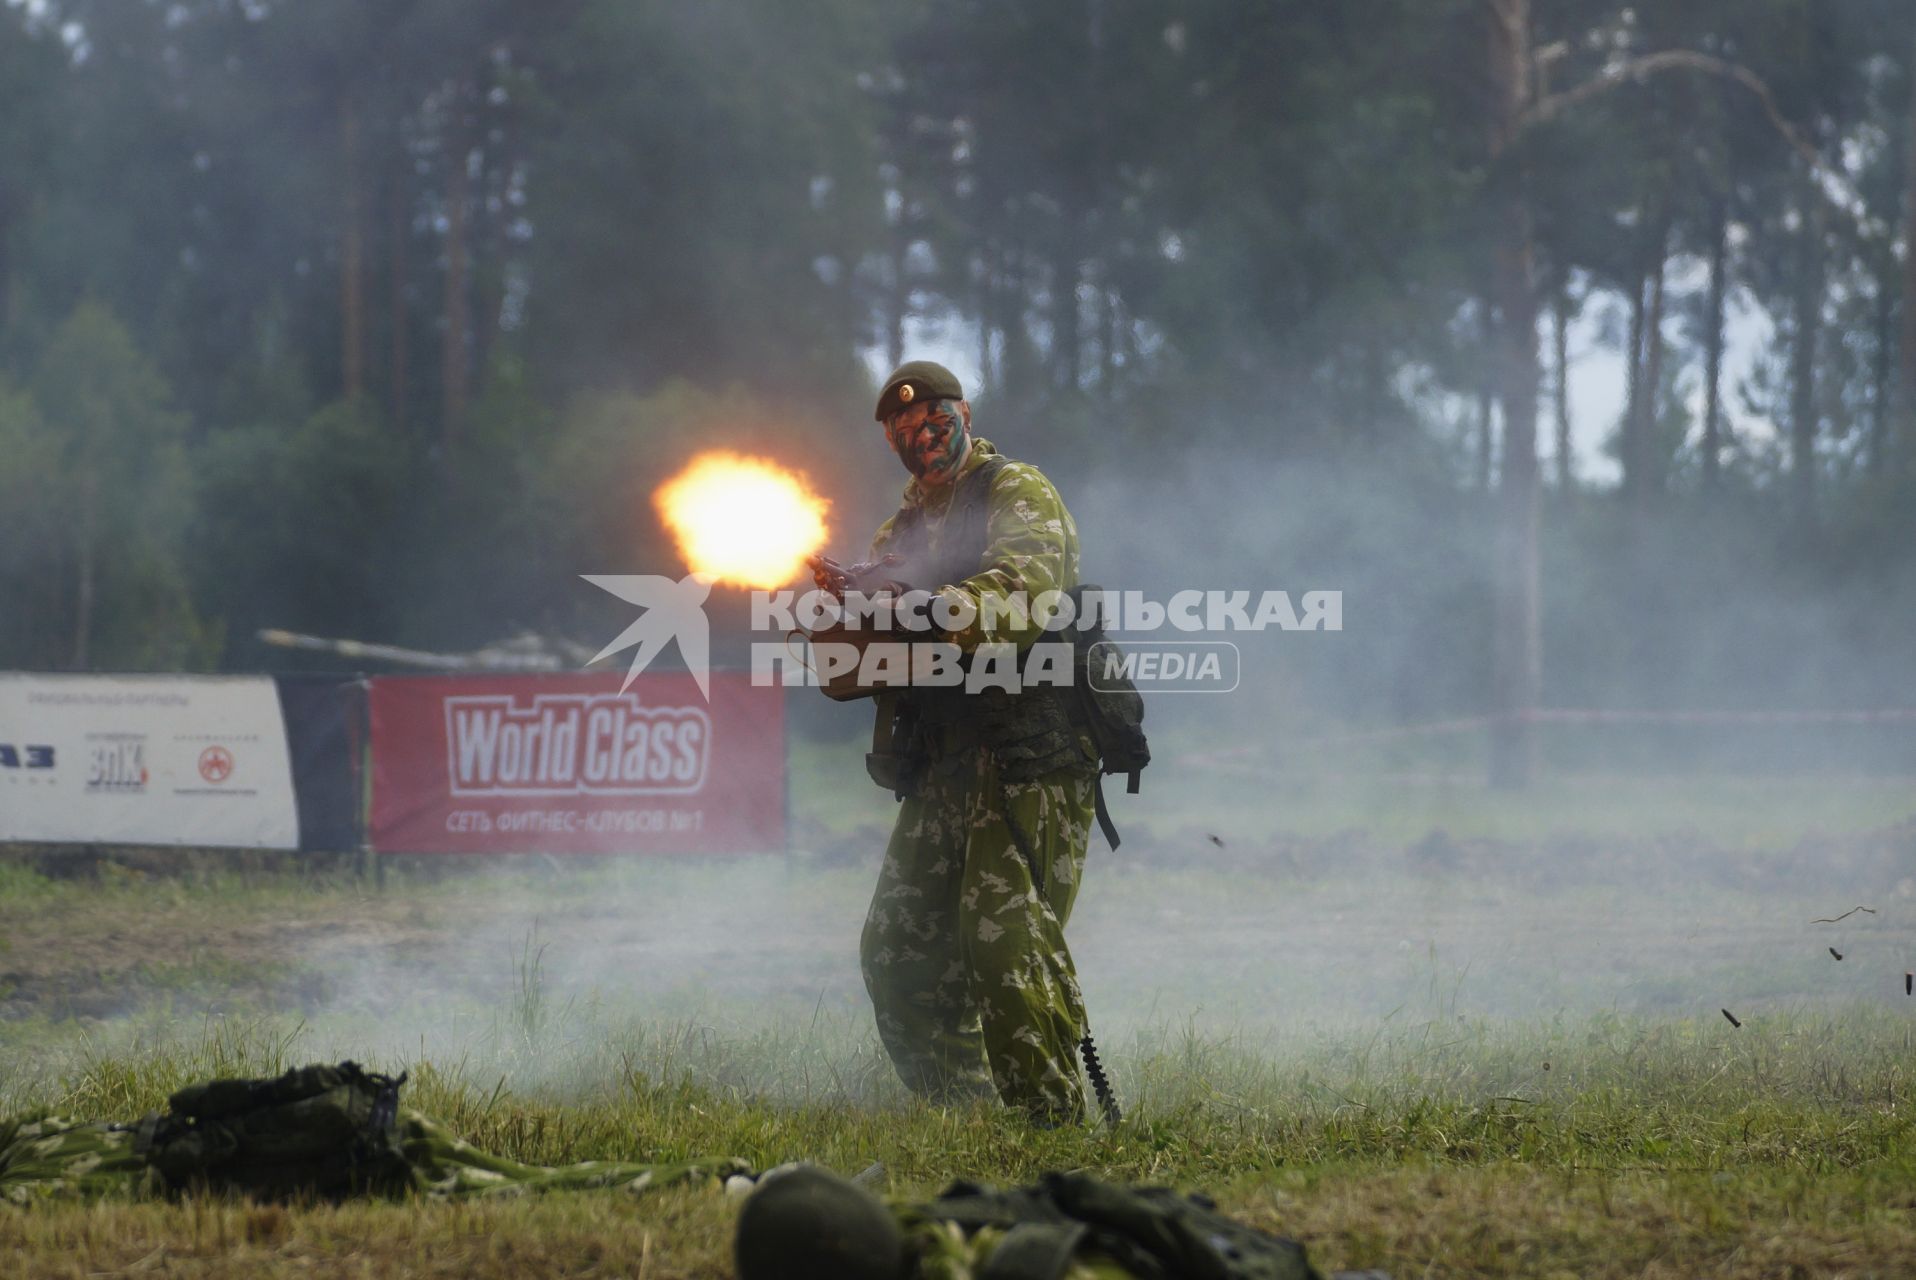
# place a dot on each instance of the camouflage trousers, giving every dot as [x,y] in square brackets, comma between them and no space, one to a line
[54,1158]
[964,955]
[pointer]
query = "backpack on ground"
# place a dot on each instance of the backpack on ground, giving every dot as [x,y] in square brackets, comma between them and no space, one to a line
[322,1131]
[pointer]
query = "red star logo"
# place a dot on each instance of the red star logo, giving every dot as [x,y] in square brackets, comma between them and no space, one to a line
[216,764]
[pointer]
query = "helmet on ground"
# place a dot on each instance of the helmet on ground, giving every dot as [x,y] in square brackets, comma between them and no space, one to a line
[811,1224]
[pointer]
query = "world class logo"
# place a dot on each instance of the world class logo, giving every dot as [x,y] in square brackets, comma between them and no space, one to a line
[573,744]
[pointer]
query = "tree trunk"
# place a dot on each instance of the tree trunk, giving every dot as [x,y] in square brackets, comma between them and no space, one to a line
[399,232]
[1713,345]
[454,370]
[1487,402]
[1020,369]
[1630,454]
[1904,437]
[900,299]
[1808,322]
[1640,470]
[1560,326]
[494,208]
[1650,451]
[1067,327]
[1517,647]
[7,197]
[985,306]
[352,265]
[83,603]
[1882,375]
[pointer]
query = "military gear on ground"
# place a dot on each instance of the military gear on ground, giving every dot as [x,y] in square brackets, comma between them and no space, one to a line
[1073,1224]
[917,380]
[313,1131]
[811,1224]
[319,1130]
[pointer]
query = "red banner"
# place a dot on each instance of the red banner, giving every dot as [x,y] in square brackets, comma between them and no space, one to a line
[568,764]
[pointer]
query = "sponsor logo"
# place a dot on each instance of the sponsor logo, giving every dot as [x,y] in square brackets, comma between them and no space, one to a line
[574,744]
[216,764]
[116,763]
[29,756]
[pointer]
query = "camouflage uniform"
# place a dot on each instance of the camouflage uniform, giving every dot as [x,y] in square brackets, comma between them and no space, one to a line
[50,1157]
[963,954]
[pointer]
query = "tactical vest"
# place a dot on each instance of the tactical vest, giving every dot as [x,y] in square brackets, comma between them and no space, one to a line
[1038,730]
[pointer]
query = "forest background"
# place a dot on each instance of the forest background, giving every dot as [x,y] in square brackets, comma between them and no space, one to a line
[384,320]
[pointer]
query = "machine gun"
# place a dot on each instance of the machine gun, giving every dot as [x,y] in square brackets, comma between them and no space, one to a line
[837,579]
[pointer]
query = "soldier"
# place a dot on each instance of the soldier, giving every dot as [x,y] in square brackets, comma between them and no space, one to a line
[963,950]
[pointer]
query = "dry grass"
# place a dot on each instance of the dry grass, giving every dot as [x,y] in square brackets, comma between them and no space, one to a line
[1495,1221]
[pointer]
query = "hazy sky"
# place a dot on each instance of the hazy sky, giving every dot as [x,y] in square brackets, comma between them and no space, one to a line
[1598,384]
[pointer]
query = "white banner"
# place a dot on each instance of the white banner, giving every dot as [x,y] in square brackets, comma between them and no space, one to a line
[145,760]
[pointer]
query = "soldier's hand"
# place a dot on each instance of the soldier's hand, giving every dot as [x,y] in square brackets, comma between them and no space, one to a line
[827,576]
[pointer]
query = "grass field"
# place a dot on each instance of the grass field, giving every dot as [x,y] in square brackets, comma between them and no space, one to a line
[1417,1026]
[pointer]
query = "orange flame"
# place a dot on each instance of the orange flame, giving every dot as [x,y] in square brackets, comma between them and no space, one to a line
[745,521]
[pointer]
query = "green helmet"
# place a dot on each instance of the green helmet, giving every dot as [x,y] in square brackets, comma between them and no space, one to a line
[811,1224]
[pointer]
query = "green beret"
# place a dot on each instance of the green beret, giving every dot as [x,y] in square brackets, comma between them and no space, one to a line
[917,380]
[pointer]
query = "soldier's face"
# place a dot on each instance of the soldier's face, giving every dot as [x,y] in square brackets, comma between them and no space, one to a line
[931,438]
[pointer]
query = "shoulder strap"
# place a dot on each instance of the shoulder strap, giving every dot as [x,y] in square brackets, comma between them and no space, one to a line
[966,524]
[972,505]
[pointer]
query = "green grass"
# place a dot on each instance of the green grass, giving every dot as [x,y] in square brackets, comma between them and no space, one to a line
[1442,1147]
[1494,1053]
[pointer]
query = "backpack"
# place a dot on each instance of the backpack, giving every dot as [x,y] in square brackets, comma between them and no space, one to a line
[325,1131]
[1151,1232]
[1109,704]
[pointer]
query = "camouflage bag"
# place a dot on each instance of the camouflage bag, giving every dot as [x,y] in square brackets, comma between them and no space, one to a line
[1150,1232]
[325,1131]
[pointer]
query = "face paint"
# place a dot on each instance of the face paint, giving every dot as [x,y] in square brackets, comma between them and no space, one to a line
[930,439]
